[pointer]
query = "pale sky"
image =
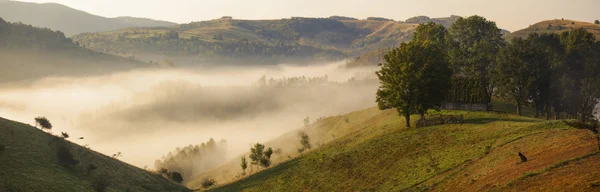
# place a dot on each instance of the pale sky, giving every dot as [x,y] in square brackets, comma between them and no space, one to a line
[508,14]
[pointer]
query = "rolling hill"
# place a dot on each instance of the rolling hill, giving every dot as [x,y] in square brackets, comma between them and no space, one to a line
[229,40]
[28,52]
[556,26]
[29,162]
[68,20]
[368,150]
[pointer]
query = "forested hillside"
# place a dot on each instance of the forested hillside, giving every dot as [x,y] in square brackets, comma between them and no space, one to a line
[28,52]
[68,20]
[232,41]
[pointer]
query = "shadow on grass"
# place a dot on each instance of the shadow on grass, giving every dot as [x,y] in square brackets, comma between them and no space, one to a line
[257,178]
[486,120]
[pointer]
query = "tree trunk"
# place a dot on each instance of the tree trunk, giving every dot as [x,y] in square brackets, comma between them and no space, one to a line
[548,111]
[407,118]
[519,108]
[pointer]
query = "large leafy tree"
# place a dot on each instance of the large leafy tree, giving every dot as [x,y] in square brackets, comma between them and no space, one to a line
[545,88]
[415,76]
[473,45]
[581,66]
[516,67]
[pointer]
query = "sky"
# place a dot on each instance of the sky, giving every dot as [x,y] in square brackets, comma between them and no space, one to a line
[508,14]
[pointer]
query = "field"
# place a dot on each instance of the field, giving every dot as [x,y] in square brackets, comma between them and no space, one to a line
[374,152]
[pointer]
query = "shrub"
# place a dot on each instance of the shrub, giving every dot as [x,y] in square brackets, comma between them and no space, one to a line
[596,22]
[100,183]
[175,176]
[90,168]
[260,156]
[304,141]
[208,182]
[43,122]
[65,156]
[64,135]
[244,165]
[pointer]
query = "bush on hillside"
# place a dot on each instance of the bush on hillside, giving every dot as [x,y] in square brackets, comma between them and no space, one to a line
[43,122]
[175,176]
[90,168]
[208,182]
[65,156]
[100,183]
[260,156]
[304,141]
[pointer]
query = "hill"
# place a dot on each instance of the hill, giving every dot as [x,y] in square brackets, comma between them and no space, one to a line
[229,40]
[28,52]
[68,20]
[369,150]
[30,163]
[556,26]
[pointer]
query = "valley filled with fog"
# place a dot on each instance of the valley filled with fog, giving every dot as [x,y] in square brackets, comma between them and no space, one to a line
[145,114]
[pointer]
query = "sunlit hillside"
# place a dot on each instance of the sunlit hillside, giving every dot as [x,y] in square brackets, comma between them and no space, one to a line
[230,40]
[556,26]
[373,152]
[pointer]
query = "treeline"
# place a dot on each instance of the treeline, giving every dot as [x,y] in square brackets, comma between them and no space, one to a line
[215,50]
[291,81]
[28,52]
[554,73]
[19,35]
[191,160]
[371,58]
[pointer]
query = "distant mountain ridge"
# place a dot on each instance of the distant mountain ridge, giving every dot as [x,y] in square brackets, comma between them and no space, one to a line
[556,26]
[229,40]
[68,20]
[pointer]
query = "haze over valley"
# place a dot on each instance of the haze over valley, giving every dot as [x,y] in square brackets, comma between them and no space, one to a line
[94,100]
[162,109]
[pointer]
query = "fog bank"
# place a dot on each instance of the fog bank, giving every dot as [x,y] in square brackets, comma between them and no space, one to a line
[144,114]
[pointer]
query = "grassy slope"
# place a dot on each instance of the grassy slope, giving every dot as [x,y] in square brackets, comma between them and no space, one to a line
[30,163]
[543,27]
[378,154]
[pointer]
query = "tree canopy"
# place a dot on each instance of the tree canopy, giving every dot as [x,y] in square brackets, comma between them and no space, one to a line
[260,156]
[473,45]
[416,76]
[43,122]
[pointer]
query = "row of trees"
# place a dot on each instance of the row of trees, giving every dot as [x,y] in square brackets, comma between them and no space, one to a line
[555,73]
[291,81]
[171,44]
[19,35]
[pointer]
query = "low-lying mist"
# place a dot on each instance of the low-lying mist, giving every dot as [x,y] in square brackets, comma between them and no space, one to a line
[144,114]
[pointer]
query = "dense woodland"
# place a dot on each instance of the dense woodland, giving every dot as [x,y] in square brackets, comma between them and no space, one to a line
[470,62]
[28,52]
